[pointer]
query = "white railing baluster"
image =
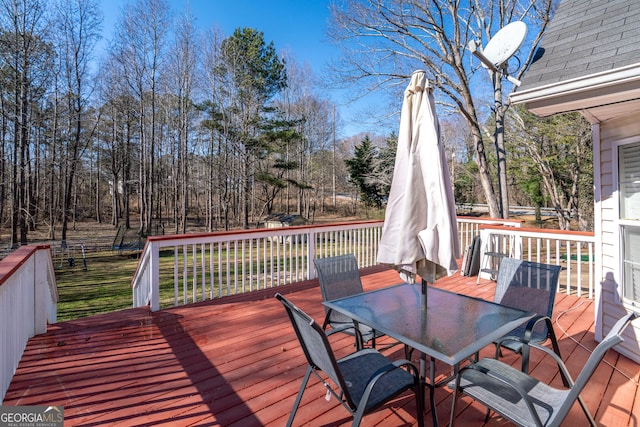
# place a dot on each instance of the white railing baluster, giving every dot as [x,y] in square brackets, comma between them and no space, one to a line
[591,270]
[579,268]
[228,268]
[272,267]
[278,257]
[253,285]
[245,280]
[223,281]
[203,268]
[568,250]
[185,284]
[289,244]
[211,271]
[194,271]
[176,281]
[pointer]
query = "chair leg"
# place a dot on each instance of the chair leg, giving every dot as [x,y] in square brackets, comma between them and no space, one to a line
[357,416]
[432,390]
[526,350]
[592,422]
[408,351]
[418,390]
[454,401]
[487,415]
[358,334]
[299,397]
[498,352]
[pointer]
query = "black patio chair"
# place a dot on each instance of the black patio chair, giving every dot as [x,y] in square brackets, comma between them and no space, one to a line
[364,380]
[339,277]
[532,287]
[524,400]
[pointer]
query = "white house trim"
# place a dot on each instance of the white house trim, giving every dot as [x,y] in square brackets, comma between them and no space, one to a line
[597,221]
[581,93]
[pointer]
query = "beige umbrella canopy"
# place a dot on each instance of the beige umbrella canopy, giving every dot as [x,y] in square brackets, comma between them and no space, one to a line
[420,233]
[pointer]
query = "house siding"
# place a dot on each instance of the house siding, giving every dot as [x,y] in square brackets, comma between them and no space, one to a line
[612,133]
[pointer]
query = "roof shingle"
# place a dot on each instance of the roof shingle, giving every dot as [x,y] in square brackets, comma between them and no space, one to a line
[585,38]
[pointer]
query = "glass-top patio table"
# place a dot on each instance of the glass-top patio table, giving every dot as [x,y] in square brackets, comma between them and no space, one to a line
[452,328]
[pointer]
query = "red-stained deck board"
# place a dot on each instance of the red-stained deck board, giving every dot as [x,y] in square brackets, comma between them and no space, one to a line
[235,361]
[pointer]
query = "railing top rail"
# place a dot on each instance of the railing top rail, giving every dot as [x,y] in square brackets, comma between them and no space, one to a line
[537,231]
[484,220]
[142,263]
[12,262]
[294,229]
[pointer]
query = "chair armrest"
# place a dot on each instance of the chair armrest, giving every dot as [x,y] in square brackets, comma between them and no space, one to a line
[398,364]
[409,365]
[526,339]
[516,387]
[528,331]
[555,353]
[564,372]
[356,330]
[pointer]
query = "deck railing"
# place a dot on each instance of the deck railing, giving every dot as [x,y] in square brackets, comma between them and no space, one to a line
[469,227]
[573,250]
[188,268]
[28,298]
[195,267]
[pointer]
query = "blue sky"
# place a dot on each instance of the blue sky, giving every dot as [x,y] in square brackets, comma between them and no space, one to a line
[295,25]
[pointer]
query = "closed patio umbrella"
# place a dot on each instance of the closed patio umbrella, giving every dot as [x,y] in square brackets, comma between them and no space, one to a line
[420,233]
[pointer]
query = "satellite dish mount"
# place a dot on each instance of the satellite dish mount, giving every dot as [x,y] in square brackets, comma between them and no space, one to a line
[500,48]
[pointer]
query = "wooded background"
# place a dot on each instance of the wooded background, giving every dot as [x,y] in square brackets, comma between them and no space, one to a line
[175,126]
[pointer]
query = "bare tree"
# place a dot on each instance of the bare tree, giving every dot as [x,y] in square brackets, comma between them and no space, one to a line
[140,39]
[79,30]
[118,132]
[219,97]
[384,41]
[300,102]
[182,74]
[26,59]
[556,152]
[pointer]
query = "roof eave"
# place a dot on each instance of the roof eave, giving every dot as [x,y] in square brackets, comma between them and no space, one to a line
[613,86]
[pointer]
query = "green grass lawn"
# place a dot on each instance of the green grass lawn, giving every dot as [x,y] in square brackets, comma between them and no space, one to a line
[104,286]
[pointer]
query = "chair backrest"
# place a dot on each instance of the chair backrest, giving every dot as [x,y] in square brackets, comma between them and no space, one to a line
[315,345]
[529,286]
[613,338]
[339,277]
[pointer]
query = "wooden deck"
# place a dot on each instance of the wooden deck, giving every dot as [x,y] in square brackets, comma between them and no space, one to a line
[236,362]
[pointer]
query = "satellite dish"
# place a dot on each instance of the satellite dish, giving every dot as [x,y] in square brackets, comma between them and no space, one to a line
[501,47]
[505,43]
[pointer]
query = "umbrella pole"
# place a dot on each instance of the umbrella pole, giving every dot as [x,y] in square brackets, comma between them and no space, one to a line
[423,359]
[424,293]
